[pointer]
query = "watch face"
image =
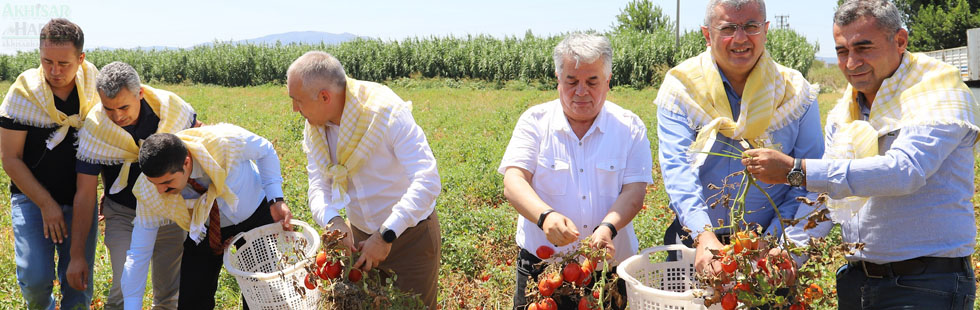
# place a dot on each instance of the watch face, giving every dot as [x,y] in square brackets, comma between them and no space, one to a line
[388,236]
[795,178]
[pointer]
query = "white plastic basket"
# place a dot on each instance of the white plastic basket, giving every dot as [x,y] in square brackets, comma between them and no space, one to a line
[255,266]
[662,285]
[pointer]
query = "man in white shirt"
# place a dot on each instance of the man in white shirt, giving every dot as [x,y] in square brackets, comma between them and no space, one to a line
[367,155]
[576,164]
[213,181]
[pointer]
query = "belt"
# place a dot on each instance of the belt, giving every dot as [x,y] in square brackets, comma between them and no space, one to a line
[915,266]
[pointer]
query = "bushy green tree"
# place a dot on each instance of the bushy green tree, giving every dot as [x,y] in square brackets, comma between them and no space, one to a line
[642,16]
[942,26]
[937,24]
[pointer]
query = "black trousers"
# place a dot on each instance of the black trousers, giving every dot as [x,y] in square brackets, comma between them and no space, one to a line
[675,231]
[526,268]
[200,268]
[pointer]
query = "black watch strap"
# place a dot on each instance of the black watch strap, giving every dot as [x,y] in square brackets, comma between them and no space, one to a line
[388,235]
[612,228]
[543,216]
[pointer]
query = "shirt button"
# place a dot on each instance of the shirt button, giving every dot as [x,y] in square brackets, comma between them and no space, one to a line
[585,227]
[580,144]
[552,166]
[583,197]
[611,167]
[581,170]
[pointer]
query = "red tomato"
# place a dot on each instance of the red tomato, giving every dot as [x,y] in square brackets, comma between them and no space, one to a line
[532,306]
[554,281]
[584,279]
[545,252]
[571,272]
[330,270]
[321,258]
[545,288]
[354,275]
[728,264]
[310,282]
[729,301]
[585,304]
[547,304]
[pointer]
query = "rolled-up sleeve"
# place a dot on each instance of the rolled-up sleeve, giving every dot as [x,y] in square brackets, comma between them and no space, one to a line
[522,150]
[680,179]
[639,160]
[412,150]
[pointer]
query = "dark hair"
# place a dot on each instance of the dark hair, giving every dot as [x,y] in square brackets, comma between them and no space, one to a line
[162,153]
[62,31]
[884,12]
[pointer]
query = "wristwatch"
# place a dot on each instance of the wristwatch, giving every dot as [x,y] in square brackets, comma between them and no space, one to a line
[388,235]
[796,176]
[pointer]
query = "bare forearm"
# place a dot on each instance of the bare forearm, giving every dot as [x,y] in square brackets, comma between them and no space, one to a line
[83,207]
[21,176]
[519,193]
[627,205]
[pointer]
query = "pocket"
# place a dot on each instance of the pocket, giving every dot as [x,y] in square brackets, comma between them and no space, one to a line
[938,284]
[609,176]
[551,176]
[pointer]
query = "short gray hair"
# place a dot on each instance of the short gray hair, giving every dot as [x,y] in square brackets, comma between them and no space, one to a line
[318,70]
[583,47]
[884,12]
[737,4]
[114,76]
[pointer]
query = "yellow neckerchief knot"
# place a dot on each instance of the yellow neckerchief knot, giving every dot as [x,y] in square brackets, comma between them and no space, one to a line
[923,91]
[30,101]
[773,97]
[215,149]
[367,113]
[101,141]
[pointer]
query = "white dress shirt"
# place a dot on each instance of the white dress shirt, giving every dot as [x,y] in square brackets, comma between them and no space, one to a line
[254,180]
[395,188]
[579,178]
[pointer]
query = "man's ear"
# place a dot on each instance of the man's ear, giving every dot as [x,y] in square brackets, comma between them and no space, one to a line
[324,96]
[707,35]
[901,39]
[187,162]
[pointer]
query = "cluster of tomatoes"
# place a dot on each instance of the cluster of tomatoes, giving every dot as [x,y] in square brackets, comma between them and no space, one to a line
[572,275]
[745,264]
[329,269]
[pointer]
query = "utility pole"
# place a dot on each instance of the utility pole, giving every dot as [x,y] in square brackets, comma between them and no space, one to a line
[782,21]
[677,28]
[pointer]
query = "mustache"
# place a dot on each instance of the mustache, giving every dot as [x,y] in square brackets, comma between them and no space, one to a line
[858,70]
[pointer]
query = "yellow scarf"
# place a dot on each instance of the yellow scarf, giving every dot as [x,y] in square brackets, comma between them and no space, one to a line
[31,102]
[923,91]
[773,97]
[103,142]
[368,110]
[215,149]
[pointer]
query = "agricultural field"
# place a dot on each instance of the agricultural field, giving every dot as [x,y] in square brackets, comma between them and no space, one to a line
[468,124]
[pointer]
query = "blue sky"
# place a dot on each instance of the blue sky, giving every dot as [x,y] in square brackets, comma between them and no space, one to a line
[179,23]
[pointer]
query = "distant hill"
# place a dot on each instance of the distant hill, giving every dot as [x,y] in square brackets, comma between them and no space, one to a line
[308,37]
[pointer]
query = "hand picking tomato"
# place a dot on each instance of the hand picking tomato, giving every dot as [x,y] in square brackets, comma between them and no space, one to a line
[544,252]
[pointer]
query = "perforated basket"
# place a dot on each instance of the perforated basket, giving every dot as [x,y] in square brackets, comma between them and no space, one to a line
[255,265]
[662,285]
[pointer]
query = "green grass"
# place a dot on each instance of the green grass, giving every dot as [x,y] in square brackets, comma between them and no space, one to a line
[468,125]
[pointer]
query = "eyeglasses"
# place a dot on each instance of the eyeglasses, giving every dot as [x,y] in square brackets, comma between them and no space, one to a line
[750,28]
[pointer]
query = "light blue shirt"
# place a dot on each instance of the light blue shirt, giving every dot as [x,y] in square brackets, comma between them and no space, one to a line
[688,189]
[920,188]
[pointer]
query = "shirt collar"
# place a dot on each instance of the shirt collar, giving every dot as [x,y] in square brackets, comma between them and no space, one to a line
[560,122]
[198,172]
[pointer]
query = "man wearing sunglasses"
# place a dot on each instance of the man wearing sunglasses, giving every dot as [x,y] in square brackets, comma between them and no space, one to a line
[730,98]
